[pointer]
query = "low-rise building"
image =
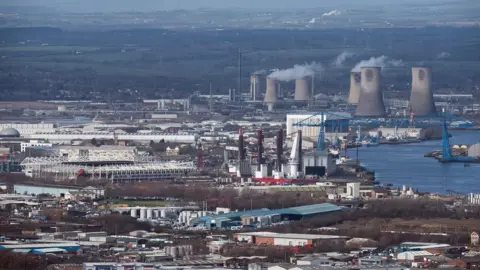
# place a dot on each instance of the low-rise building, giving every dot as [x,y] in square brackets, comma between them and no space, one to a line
[289,239]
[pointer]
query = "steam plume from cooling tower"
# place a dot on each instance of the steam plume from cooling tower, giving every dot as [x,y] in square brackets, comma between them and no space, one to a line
[421,97]
[355,87]
[296,72]
[381,61]
[341,58]
[370,102]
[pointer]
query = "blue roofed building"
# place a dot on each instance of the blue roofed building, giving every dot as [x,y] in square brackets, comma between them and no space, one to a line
[264,217]
[67,247]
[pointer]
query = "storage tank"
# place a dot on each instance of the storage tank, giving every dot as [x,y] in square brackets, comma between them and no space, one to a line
[163,213]
[133,213]
[474,150]
[143,213]
[149,213]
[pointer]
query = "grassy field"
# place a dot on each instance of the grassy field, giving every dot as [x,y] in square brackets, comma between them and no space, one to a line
[141,203]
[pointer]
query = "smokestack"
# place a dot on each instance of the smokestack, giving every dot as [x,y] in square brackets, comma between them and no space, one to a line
[260,149]
[279,149]
[241,145]
[300,152]
[301,90]
[355,87]
[254,87]
[370,102]
[271,91]
[421,97]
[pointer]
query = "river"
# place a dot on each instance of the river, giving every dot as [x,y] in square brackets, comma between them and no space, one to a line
[405,165]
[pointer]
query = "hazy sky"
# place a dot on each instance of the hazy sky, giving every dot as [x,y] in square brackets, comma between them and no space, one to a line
[151,5]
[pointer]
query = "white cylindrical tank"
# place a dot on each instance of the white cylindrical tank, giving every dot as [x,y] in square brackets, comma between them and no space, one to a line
[143,213]
[163,213]
[133,213]
[149,213]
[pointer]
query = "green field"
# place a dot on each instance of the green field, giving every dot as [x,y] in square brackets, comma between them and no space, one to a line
[141,203]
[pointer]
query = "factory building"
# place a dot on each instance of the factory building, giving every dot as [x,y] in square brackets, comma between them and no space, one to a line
[319,164]
[67,137]
[289,239]
[26,129]
[264,217]
[54,190]
[335,121]
[67,247]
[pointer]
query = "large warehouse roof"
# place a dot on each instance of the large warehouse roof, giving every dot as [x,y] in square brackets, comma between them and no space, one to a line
[291,235]
[311,209]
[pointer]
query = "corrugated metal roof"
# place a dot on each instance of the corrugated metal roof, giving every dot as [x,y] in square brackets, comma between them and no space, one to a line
[311,209]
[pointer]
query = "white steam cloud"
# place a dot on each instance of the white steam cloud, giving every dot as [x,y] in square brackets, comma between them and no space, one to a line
[381,61]
[341,58]
[443,55]
[331,13]
[297,72]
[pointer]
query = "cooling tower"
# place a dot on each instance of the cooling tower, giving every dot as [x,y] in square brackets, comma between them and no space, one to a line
[271,92]
[421,97]
[355,87]
[301,90]
[370,102]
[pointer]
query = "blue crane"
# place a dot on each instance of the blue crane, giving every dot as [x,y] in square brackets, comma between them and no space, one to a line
[322,123]
[447,155]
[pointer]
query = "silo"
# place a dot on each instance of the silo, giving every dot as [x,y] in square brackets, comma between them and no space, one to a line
[271,91]
[163,213]
[301,90]
[370,102]
[133,212]
[421,97]
[143,213]
[355,87]
[149,213]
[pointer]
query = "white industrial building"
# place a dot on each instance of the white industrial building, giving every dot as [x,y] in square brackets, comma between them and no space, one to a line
[338,119]
[27,129]
[413,256]
[34,143]
[67,137]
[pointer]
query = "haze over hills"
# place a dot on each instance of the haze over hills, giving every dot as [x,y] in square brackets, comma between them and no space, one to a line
[269,5]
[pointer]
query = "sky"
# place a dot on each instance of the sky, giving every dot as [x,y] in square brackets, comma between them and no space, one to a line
[153,5]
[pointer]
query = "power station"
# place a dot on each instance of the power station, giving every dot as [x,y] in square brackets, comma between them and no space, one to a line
[370,102]
[271,95]
[302,92]
[355,87]
[421,97]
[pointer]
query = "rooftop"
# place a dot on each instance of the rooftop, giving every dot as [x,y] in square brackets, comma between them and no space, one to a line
[292,235]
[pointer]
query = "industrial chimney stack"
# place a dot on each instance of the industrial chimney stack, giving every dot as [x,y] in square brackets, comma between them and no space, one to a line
[279,149]
[370,102]
[355,87]
[271,91]
[254,87]
[241,145]
[260,149]
[421,97]
[302,90]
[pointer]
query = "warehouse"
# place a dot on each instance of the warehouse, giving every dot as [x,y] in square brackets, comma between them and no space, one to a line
[265,217]
[67,247]
[55,190]
[289,239]
[335,122]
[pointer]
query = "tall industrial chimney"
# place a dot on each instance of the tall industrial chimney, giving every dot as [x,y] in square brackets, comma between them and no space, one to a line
[260,149]
[254,87]
[370,102]
[301,90]
[271,91]
[421,97]
[241,145]
[355,87]
[279,149]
